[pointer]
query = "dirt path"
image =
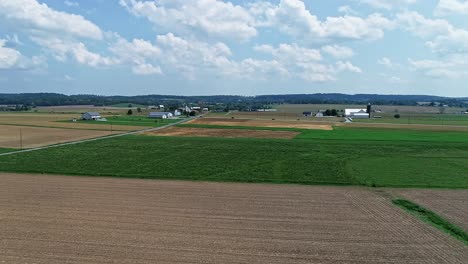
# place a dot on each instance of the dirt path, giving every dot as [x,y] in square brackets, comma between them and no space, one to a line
[65,219]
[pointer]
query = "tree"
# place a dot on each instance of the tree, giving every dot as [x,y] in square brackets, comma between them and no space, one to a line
[397,116]
[130,105]
[328,112]
[334,112]
[192,113]
[139,110]
[130,112]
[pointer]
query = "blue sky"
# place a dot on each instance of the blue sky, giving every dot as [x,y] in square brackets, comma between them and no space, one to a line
[241,47]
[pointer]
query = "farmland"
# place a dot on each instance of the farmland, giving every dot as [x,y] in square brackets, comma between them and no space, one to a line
[133,121]
[225,133]
[370,162]
[31,137]
[138,221]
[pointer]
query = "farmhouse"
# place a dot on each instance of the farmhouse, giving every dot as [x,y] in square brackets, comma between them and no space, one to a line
[91,116]
[356,113]
[160,115]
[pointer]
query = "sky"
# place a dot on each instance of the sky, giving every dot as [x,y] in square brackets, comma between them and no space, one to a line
[236,47]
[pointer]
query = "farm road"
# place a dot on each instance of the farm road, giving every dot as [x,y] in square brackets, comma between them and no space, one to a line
[99,138]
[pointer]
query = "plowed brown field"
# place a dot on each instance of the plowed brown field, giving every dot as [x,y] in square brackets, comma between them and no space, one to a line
[228,133]
[261,123]
[40,136]
[451,204]
[54,219]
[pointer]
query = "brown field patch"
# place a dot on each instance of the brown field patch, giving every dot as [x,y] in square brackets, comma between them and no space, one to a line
[50,120]
[227,133]
[65,219]
[279,116]
[40,136]
[261,123]
[450,204]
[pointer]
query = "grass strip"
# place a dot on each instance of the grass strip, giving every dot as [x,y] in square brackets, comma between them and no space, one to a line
[432,218]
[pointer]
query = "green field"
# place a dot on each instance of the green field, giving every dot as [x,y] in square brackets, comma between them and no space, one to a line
[6,150]
[369,162]
[420,119]
[125,105]
[129,121]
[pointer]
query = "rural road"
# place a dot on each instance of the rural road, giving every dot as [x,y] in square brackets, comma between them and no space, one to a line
[100,138]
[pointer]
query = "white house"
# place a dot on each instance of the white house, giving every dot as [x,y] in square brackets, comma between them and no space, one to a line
[356,113]
[177,113]
[91,116]
[160,115]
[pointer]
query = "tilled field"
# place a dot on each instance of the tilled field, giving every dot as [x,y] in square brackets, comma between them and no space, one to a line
[262,123]
[10,136]
[405,126]
[65,219]
[227,133]
[451,204]
[50,120]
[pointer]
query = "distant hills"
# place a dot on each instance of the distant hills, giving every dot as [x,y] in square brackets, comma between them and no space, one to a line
[54,99]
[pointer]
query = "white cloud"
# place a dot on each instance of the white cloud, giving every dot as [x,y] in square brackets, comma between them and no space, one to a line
[347,10]
[71,3]
[68,78]
[387,63]
[62,49]
[213,17]
[452,67]
[33,16]
[13,59]
[293,18]
[448,7]
[347,66]
[146,69]
[442,37]
[385,4]
[293,52]
[339,52]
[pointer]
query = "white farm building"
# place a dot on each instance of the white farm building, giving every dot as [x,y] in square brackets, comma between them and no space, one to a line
[356,113]
[160,115]
[91,116]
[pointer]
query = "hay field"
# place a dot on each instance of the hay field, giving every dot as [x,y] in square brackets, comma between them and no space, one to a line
[50,120]
[261,123]
[40,136]
[78,109]
[53,219]
[451,204]
[225,133]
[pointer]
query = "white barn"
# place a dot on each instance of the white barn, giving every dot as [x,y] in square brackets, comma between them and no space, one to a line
[91,116]
[356,113]
[160,115]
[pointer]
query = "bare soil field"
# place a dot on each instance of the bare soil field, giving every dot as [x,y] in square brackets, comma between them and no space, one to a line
[50,120]
[40,136]
[450,204]
[279,116]
[404,126]
[227,133]
[261,123]
[65,219]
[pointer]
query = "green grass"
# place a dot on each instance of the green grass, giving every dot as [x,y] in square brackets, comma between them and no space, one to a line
[6,150]
[383,134]
[433,219]
[129,121]
[421,119]
[299,161]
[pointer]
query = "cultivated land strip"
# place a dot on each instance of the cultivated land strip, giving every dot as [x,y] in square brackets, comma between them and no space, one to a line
[53,219]
[98,138]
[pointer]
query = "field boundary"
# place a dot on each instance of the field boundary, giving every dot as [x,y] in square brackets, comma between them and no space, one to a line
[432,218]
[98,138]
